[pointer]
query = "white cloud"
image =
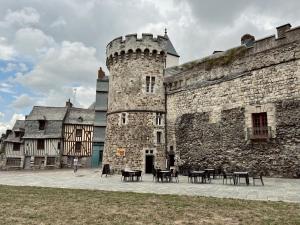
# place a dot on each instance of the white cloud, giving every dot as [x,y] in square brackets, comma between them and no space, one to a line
[69,64]
[64,67]
[23,17]
[7,52]
[22,67]
[22,101]
[9,124]
[6,88]
[32,42]
[60,22]
[1,115]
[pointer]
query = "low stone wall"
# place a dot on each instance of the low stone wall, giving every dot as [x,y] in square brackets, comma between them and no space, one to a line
[202,144]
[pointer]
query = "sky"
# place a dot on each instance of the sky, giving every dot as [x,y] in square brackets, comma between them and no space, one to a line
[50,50]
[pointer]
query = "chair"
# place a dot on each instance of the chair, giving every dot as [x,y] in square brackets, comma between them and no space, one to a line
[191,176]
[154,173]
[138,175]
[218,172]
[159,175]
[125,175]
[258,177]
[227,176]
[175,175]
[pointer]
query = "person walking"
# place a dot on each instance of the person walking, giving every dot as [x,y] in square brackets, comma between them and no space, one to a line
[75,164]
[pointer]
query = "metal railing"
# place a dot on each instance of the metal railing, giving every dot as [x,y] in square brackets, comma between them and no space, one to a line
[259,132]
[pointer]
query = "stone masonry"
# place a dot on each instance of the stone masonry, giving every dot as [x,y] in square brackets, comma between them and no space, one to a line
[208,105]
[130,62]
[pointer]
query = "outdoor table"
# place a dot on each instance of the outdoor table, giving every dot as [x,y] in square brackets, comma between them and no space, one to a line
[197,174]
[164,174]
[132,173]
[209,172]
[238,175]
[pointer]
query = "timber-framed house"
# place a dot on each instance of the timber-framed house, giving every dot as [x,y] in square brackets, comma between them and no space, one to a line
[78,136]
[14,146]
[43,137]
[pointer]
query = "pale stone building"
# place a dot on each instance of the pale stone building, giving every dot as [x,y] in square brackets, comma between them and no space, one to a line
[238,109]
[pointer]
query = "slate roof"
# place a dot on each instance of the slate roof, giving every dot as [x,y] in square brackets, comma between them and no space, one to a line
[47,113]
[53,116]
[18,127]
[80,116]
[170,48]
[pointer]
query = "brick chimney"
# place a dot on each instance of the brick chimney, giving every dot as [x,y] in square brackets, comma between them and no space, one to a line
[101,74]
[282,29]
[69,104]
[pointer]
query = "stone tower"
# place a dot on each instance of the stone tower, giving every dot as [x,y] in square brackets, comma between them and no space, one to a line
[135,133]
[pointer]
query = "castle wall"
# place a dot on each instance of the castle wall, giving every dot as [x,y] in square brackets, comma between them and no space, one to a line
[210,103]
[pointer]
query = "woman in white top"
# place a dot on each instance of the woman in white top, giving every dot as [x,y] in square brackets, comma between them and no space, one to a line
[75,163]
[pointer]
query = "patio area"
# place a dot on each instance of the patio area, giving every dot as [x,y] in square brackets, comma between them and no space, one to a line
[275,189]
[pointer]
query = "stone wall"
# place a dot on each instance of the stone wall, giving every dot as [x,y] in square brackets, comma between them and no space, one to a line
[201,144]
[135,137]
[210,103]
[130,62]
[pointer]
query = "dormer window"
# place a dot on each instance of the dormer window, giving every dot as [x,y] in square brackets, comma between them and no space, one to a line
[80,119]
[17,134]
[42,124]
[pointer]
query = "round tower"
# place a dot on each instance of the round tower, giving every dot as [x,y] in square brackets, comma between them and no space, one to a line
[135,132]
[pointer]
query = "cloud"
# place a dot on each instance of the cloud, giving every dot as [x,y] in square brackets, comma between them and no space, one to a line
[21,67]
[22,101]
[23,17]
[1,115]
[32,42]
[60,22]
[68,64]
[9,124]
[6,88]
[7,52]
[62,68]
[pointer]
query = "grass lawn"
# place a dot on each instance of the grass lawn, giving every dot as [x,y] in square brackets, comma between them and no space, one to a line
[35,205]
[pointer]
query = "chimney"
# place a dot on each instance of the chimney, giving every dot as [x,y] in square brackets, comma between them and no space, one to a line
[101,74]
[8,132]
[69,104]
[247,40]
[282,29]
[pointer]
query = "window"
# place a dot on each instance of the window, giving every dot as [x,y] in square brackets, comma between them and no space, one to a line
[123,118]
[17,134]
[158,120]
[39,161]
[13,161]
[158,137]
[78,146]
[40,144]
[260,125]
[42,124]
[16,146]
[50,161]
[58,145]
[78,132]
[150,82]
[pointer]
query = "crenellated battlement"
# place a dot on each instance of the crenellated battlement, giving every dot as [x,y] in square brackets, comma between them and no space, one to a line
[125,47]
[219,67]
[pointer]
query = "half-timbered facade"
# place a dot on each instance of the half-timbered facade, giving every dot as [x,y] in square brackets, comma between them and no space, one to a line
[78,136]
[14,146]
[43,137]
